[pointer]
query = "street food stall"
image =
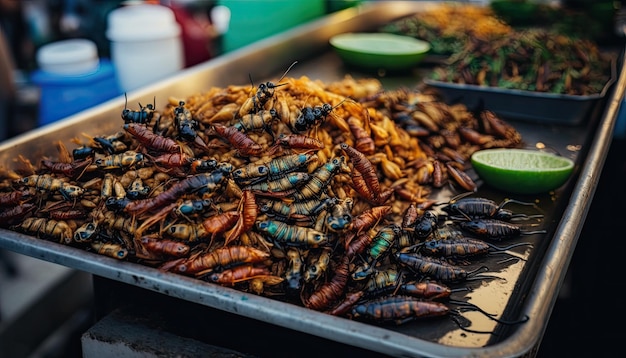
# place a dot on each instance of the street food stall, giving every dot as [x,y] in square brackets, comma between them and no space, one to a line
[503,302]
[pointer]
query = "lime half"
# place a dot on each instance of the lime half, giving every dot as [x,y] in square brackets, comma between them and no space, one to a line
[522,171]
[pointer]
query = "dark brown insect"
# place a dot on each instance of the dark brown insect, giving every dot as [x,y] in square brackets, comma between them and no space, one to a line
[10,215]
[151,140]
[329,292]
[433,268]
[397,309]
[244,145]
[364,167]
[15,197]
[494,229]
[72,170]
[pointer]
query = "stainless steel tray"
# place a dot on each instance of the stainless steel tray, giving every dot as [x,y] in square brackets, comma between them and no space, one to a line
[530,290]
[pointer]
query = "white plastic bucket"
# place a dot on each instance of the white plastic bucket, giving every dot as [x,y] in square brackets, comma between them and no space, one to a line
[146,44]
[69,57]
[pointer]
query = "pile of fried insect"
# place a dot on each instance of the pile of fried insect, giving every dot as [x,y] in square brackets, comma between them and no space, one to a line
[313,193]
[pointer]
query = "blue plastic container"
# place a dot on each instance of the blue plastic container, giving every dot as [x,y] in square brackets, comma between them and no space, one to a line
[63,95]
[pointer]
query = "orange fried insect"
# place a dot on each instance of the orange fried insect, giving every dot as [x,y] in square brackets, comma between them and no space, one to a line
[473,136]
[239,140]
[369,218]
[360,186]
[223,257]
[363,142]
[364,167]
[155,246]
[218,224]
[239,274]
[249,212]
[172,160]
[329,292]
[151,140]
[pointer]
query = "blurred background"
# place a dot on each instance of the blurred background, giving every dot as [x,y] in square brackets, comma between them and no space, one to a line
[31,288]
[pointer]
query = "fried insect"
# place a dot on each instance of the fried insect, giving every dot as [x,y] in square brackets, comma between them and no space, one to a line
[47,228]
[397,310]
[143,116]
[494,229]
[48,183]
[284,234]
[264,93]
[329,292]
[243,144]
[434,268]
[151,140]
[238,274]
[222,258]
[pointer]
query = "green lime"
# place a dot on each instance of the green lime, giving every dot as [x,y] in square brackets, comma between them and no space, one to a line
[522,171]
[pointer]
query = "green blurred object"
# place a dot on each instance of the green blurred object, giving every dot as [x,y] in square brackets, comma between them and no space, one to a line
[253,20]
[379,51]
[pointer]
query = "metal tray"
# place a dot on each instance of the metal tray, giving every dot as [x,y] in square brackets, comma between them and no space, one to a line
[529,289]
[523,105]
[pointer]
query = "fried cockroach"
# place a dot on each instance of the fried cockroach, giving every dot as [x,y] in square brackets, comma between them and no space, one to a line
[494,229]
[482,208]
[464,247]
[434,268]
[397,310]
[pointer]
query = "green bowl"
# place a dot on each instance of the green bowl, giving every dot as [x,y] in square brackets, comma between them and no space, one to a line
[379,50]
